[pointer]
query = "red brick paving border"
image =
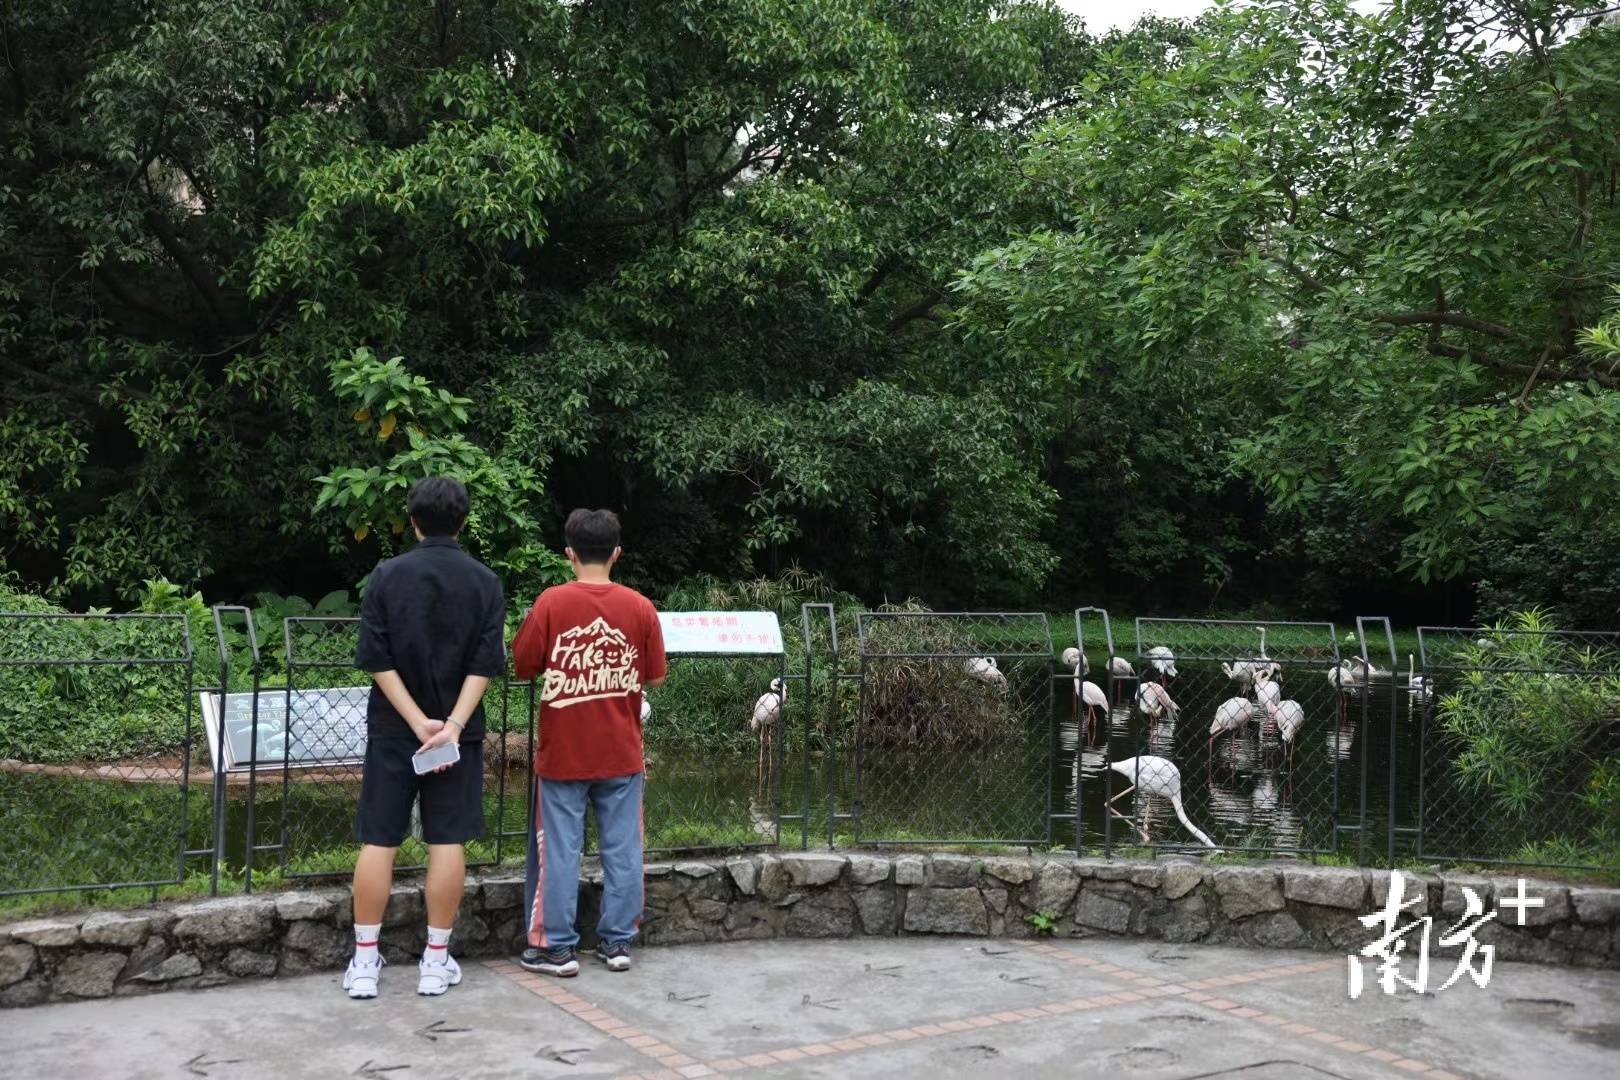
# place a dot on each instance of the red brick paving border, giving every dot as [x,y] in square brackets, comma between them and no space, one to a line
[676,1065]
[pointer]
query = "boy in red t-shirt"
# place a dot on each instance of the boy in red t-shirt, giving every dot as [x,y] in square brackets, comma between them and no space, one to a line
[599,646]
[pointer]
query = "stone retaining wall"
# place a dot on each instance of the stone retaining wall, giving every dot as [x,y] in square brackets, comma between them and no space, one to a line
[813,894]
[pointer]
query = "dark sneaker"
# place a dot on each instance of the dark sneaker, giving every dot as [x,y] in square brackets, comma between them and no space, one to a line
[616,957]
[559,961]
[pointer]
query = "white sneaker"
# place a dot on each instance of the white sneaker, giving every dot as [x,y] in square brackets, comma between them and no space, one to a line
[361,978]
[437,976]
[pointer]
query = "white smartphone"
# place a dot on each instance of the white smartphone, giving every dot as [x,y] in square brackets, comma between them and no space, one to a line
[425,761]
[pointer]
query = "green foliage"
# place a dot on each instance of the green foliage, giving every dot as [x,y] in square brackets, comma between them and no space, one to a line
[1348,256]
[1531,726]
[685,259]
[1044,923]
[130,702]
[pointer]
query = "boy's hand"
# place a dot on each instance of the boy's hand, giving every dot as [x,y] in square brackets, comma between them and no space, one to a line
[442,737]
[427,729]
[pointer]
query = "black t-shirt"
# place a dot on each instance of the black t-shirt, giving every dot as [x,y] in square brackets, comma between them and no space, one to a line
[435,615]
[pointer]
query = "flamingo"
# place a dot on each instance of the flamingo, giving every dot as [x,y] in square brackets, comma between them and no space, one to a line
[1230,717]
[1154,701]
[767,711]
[1086,691]
[1417,685]
[1267,691]
[1288,717]
[1265,663]
[1241,672]
[1350,676]
[1119,668]
[1163,661]
[1246,672]
[985,670]
[1095,699]
[646,710]
[1155,776]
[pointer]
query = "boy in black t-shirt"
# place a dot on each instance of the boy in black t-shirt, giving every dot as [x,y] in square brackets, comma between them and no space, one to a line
[431,627]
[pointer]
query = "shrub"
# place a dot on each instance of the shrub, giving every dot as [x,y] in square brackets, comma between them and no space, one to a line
[1533,728]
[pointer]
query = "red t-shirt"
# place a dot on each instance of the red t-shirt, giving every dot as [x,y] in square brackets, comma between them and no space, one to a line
[597,645]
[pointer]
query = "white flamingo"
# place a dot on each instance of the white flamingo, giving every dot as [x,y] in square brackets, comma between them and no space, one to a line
[1288,717]
[1162,660]
[1076,660]
[1086,691]
[646,710]
[1155,776]
[1155,702]
[1417,685]
[1264,663]
[1120,668]
[985,670]
[767,711]
[1095,699]
[1246,672]
[1241,672]
[1348,676]
[1267,691]
[1230,717]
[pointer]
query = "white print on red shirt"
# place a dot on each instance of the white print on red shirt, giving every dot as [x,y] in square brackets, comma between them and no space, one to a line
[589,663]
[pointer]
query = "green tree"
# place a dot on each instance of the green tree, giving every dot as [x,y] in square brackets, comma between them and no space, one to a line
[689,260]
[1362,248]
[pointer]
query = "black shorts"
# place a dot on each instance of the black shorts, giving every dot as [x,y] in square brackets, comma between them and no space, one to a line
[452,801]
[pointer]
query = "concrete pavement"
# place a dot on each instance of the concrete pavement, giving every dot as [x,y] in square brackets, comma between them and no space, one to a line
[934,1007]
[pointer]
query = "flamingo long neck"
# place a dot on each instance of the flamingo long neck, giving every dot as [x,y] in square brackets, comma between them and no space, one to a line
[1175,801]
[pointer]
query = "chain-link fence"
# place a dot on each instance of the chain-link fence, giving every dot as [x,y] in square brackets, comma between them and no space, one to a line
[953,741]
[717,734]
[1519,749]
[1225,734]
[314,741]
[97,726]
[1497,746]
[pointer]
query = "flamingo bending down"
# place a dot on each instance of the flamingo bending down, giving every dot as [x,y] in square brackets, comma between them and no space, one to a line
[985,670]
[1154,701]
[1230,717]
[1155,776]
[1076,660]
[767,711]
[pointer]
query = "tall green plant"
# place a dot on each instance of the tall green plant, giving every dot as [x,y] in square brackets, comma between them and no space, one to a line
[1534,727]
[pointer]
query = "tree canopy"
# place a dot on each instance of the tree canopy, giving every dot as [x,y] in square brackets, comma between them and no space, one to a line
[946,298]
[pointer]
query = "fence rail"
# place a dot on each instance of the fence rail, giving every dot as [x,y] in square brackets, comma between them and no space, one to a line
[1493,745]
[122,816]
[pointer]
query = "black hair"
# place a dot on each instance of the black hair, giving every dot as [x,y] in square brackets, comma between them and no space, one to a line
[438,505]
[593,534]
